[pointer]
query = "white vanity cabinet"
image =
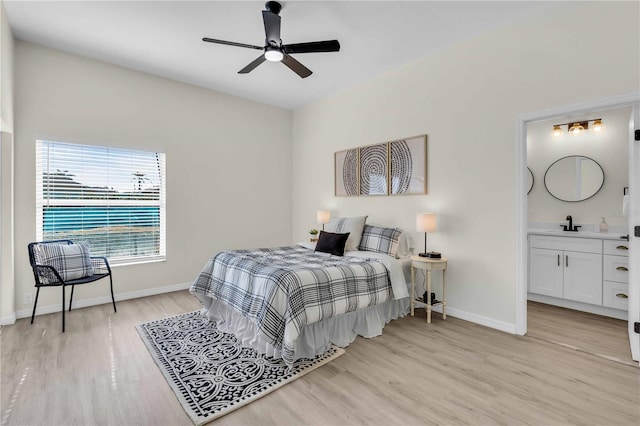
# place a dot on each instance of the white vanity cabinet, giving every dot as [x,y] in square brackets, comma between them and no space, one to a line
[565,267]
[588,272]
[615,285]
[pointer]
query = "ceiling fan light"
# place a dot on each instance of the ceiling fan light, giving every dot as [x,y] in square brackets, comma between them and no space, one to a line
[273,55]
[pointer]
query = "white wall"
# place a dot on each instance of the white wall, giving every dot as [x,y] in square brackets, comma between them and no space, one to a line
[6,170]
[6,71]
[609,148]
[466,100]
[228,160]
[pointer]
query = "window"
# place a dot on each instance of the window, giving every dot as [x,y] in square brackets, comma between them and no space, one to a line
[114,198]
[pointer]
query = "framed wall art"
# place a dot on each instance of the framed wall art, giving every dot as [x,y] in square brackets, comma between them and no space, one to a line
[374,169]
[346,173]
[391,168]
[408,166]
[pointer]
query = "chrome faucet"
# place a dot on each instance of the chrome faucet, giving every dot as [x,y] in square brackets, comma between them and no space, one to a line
[570,228]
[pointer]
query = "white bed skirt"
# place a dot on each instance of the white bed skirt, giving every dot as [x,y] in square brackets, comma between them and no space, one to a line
[315,338]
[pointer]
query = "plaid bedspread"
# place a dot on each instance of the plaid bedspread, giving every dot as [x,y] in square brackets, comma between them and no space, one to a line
[283,289]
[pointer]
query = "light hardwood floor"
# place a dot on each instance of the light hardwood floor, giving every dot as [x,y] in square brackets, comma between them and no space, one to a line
[449,372]
[602,336]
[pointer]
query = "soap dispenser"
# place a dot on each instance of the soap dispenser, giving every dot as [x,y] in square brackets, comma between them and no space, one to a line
[604,226]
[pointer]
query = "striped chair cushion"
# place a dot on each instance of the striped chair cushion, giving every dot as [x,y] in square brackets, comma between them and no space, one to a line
[380,240]
[72,261]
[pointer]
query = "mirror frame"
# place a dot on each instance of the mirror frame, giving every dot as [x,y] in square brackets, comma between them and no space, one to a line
[574,201]
[533,180]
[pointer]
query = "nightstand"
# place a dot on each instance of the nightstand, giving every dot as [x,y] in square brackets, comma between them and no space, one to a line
[428,264]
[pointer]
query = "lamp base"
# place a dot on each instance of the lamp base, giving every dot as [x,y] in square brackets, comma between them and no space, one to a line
[431,255]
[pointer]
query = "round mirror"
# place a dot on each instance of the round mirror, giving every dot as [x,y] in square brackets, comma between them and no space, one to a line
[574,178]
[529,180]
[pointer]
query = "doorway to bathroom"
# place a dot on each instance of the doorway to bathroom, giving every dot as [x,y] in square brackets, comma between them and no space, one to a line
[573,280]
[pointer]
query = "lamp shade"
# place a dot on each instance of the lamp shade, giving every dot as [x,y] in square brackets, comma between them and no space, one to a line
[323,216]
[426,222]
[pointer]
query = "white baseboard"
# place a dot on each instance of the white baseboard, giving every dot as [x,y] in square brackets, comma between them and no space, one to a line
[8,320]
[578,306]
[83,303]
[478,319]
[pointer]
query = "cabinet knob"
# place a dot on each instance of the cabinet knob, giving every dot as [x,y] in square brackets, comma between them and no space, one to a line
[622,248]
[622,296]
[622,268]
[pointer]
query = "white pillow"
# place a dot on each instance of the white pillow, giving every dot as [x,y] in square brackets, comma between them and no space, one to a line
[72,261]
[405,245]
[353,225]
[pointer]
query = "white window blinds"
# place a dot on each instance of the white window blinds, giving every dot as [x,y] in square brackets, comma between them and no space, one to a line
[112,197]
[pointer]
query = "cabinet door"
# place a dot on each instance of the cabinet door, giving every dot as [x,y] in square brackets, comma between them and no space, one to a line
[545,272]
[583,277]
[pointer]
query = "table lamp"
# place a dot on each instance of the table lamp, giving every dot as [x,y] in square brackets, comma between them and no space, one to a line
[426,222]
[323,216]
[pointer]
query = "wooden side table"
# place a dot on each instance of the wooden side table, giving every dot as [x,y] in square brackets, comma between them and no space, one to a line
[428,264]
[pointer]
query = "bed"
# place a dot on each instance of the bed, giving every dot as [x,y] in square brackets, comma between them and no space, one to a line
[293,302]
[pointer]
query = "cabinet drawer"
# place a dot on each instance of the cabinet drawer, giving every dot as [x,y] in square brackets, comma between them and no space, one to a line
[584,245]
[615,268]
[618,248]
[615,295]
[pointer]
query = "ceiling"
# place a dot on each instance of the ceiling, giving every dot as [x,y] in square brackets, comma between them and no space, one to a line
[164,38]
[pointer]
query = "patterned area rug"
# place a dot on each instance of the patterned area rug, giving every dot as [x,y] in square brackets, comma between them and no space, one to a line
[210,372]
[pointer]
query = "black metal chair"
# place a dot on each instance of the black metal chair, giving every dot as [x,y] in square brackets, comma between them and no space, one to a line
[48,276]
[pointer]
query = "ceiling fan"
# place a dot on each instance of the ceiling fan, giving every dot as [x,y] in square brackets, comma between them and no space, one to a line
[274,50]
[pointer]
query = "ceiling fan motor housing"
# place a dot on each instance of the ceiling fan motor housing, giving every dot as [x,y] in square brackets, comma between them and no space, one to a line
[273,7]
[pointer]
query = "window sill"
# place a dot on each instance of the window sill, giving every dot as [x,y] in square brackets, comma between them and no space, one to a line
[131,262]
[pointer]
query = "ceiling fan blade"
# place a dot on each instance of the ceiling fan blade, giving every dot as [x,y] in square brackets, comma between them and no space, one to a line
[296,66]
[271,27]
[313,46]
[260,59]
[231,43]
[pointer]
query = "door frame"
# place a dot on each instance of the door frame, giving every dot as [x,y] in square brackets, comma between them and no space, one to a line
[521,217]
[634,243]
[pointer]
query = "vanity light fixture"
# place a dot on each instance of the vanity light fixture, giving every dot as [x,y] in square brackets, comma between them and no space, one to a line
[577,127]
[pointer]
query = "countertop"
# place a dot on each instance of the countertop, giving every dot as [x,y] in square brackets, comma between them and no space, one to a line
[579,234]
